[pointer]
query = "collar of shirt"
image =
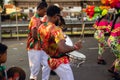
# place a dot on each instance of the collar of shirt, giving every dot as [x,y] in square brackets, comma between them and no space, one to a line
[36,15]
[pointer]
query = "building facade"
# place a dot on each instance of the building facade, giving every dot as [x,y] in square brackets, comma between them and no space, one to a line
[64,3]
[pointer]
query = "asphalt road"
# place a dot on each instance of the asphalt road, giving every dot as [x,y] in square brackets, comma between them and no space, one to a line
[90,70]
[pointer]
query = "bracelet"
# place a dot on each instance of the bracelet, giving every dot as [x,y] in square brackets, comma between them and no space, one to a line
[76,47]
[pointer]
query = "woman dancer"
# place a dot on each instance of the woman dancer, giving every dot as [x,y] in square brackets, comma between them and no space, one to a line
[114,43]
[101,27]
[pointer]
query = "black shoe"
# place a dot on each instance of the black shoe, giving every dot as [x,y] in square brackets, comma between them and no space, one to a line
[116,76]
[52,73]
[101,61]
[111,70]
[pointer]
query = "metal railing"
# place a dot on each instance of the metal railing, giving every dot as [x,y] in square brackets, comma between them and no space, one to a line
[72,27]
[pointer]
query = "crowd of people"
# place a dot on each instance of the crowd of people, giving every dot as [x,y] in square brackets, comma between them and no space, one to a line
[46,45]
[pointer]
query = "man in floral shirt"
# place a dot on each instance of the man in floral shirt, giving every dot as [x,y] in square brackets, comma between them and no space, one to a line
[53,42]
[36,55]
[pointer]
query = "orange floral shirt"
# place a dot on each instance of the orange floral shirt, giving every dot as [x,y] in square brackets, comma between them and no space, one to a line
[34,23]
[49,36]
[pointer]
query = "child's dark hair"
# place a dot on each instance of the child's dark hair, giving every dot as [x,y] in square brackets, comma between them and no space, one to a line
[3,48]
[11,72]
[42,4]
[52,10]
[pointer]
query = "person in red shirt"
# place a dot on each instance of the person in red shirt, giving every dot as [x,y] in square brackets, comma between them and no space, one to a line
[36,55]
[53,43]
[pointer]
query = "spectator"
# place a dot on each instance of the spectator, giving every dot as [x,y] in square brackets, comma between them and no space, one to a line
[3,58]
[16,73]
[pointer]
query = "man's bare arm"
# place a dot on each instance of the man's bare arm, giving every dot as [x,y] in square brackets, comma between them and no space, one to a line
[63,48]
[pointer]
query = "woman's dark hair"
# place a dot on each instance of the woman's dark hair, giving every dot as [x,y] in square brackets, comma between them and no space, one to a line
[3,48]
[42,4]
[64,28]
[111,18]
[53,10]
[116,17]
[11,72]
[62,20]
[99,19]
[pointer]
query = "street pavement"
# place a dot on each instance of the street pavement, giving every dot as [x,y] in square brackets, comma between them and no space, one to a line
[90,70]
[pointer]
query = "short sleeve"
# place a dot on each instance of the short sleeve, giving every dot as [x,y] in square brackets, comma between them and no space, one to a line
[108,29]
[44,19]
[58,34]
[33,23]
[111,23]
[106,23]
